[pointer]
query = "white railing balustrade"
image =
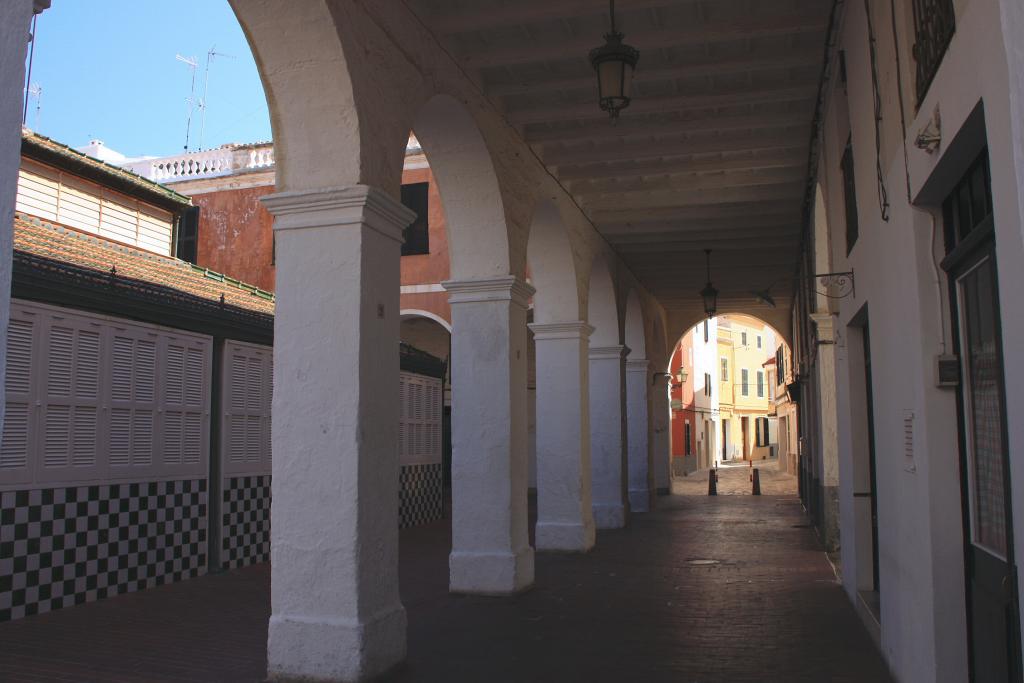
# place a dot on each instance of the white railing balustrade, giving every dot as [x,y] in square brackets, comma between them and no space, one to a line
[208,164]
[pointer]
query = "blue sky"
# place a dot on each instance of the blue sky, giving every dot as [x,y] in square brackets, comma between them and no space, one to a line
[107,70]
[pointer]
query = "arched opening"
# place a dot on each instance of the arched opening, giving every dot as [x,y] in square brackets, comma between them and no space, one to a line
[732,407]
[489,356]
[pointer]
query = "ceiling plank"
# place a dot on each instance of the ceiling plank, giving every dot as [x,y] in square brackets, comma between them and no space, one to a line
[663,167]
[517,13]
[794,91]
[637,126]
[662,199]
[717,67]
[745,28]
[783,139]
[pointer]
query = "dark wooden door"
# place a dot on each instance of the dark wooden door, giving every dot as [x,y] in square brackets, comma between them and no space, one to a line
[992,605]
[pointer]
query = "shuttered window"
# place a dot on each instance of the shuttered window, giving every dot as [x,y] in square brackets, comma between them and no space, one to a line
[419,424]
[91,398]
[248,371]
[75,202]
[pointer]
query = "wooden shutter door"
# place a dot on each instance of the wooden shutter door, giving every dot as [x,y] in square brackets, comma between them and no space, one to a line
[18,425]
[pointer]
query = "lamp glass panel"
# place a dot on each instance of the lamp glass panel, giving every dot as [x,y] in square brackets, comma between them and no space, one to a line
[609,76]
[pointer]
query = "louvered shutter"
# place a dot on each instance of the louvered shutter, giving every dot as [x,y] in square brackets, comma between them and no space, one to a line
[70,404]
[184,403]
[419,424]
[247,390]
[18,427]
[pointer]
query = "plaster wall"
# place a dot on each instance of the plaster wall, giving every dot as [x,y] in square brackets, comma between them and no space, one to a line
[14,31]
[923,631]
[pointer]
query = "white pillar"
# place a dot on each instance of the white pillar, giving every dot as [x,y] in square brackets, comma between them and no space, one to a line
[608,435]
[335,611]
[661,444]
[564,517]
[637,381]
[15,23]
[491,550]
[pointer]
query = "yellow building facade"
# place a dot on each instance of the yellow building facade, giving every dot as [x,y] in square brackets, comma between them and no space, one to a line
[746,392]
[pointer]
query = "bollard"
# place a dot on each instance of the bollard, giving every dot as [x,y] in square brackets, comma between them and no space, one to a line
[757,483]
[713,482]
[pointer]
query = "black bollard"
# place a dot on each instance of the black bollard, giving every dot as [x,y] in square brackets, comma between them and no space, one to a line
[713,482]
[757,483]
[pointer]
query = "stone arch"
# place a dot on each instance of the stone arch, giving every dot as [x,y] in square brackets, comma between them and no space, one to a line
[636,336]
[410,313]
[602,305]
[460,160]
[552,267]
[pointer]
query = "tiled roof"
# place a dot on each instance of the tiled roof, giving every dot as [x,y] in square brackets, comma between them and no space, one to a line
[34,142]
[58,243]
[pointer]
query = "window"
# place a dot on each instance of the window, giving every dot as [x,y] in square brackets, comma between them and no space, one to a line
[849,196]
[760,384]
[758,341]
[725,369]
[417,234]
[248,373]
[419,428]
[187,236]
[762,435]
[934,24]
[687,448]
[707,383]
[705,331]
[743,338]
[969,204]
[91,398]
[744,382]
[780,366]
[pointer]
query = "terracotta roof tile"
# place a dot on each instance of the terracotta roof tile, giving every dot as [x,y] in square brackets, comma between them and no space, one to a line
[59,243]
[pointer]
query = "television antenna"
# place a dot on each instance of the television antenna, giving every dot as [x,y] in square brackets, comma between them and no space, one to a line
[210,55]
[190,101]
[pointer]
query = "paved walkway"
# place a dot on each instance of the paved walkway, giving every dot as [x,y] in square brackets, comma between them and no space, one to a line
[729,589]
[734,480]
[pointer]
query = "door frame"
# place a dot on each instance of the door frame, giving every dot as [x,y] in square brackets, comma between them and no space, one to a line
[960,260]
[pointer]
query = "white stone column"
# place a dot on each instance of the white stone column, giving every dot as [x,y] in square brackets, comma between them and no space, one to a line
[661,444]
[637,381]
[608,435]
[829,422]
[15,24]
[564,517]
[335,611]
[491,550]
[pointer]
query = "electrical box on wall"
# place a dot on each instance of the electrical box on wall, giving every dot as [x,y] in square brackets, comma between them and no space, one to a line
[947,371]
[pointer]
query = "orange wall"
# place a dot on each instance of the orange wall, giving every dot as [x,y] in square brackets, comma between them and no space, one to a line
[236,238]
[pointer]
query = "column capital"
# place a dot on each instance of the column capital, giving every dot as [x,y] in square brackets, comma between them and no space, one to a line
[331,207]
[501,288]
[577,329]
[826,324]
[637,365]
[608,352]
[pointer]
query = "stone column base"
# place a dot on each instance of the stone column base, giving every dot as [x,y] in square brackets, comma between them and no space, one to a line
[324,649]
[490,573]
[640,500]
[609,516]
[565,537]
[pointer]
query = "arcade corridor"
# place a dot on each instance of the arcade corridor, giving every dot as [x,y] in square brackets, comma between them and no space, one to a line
[733,589]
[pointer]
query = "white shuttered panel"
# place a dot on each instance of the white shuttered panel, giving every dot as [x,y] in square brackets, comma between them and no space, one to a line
[419,427]
[101,399]
[248,371]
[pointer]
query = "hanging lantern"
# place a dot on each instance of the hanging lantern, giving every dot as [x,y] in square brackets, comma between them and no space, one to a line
[614,63]
[709,293]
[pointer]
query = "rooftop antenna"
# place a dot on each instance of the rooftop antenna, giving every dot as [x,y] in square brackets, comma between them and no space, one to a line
[190,101]
[206,84]
[35,90]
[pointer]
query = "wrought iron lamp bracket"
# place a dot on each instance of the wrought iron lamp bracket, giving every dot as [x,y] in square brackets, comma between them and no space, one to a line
[842,284]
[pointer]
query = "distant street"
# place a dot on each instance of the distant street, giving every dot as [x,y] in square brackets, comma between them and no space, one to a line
[734,480]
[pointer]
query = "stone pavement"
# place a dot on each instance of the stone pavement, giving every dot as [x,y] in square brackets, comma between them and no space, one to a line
[734,480]
[728,589]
